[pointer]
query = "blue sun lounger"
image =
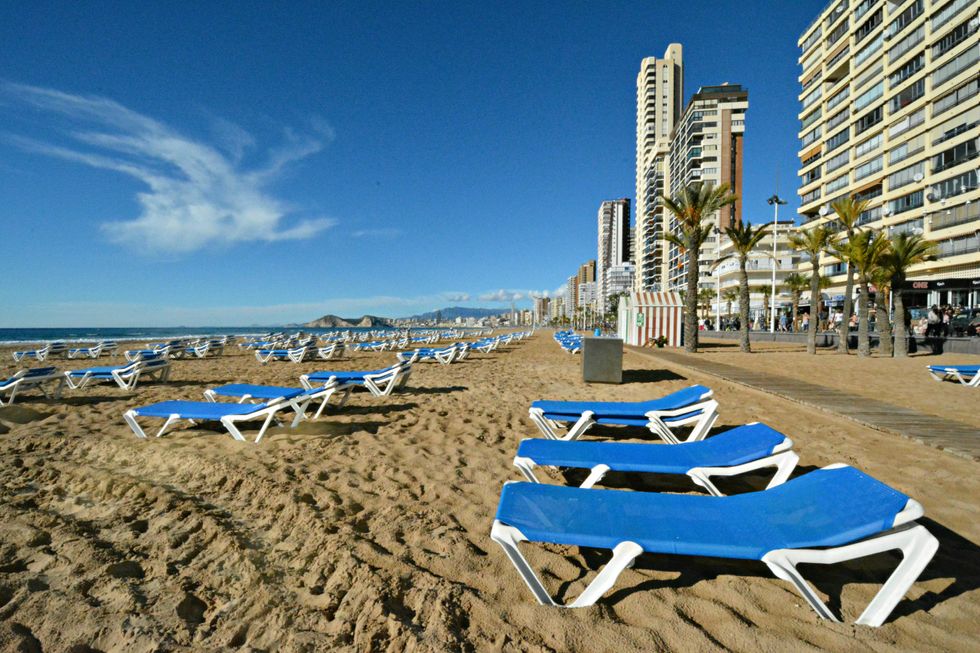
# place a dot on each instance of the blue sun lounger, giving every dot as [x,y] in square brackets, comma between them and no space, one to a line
[125,376]
[380,383]
[690,406]
[742,449]
[228,414]
[50,350]
[32,378]
[297,398]
[827,516]
[968,375]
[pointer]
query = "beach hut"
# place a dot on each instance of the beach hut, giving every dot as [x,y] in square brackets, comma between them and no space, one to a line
[645,316]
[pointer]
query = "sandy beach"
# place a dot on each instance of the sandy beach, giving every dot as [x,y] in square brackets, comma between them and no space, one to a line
[369,528]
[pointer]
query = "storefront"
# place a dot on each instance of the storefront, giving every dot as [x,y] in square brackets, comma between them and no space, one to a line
[942,292]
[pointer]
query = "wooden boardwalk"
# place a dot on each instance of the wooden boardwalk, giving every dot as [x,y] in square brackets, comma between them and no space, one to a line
[934,431]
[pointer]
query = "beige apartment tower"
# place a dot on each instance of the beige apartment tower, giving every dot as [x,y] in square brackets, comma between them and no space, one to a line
[891,113]
[659,98]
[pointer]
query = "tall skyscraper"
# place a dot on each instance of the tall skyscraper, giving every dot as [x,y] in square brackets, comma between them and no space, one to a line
[659,98]
[891,114]
[706,147]
[614,243]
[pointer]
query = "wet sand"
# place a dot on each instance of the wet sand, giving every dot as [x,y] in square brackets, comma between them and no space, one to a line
[369,529]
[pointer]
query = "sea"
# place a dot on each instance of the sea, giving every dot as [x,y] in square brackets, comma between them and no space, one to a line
[151,334]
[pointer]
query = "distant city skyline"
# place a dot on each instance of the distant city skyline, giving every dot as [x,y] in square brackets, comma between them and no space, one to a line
[177,164]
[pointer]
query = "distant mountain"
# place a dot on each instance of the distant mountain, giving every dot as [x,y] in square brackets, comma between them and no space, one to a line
[332,321]
[453,312]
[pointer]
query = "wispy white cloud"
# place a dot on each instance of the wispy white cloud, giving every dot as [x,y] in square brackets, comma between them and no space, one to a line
[503,296]
[381,232]
[198,195]
[457,296]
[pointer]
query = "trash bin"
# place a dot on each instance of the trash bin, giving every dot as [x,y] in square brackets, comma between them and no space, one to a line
[602,360]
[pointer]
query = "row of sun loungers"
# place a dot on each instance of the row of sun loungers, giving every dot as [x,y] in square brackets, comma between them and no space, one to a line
[830,515]
[125,376]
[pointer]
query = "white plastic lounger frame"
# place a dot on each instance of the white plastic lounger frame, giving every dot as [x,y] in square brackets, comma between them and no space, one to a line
[783,458]
[953,374]
[333,350]
[267,414]
[86,352]
[704,417]
[915,542]
[295,355]
[200,350]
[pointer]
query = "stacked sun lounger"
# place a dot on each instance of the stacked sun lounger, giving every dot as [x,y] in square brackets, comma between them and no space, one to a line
[125,376]
[569,341]
[51,350]
[830,515]
[38,377]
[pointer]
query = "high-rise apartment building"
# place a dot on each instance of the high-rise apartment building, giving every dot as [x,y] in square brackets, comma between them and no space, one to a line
[614,243]
[586,272]
[659,98]
[891,113]
[706,146]
[571,295]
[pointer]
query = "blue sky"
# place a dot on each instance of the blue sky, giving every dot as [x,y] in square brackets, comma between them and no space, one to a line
[259,163]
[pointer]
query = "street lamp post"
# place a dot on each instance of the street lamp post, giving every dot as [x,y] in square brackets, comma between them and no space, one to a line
[774,201]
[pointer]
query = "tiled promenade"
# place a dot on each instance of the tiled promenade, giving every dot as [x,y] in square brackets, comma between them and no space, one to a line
[934,431]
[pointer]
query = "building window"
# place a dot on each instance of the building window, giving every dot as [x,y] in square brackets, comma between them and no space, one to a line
[902,21]
[869,168]
[948,12]
[951,40]
[810,136]
[838,161]
[906,203]
[837,98]
[908,69]
[907,43]
[910,227]
[954,185]
[965,61]
[954,156]
[962,94]
[868,120]
[869,145]
[838,139]
[869,25]
[908,122]
[811,40]
[907,96]
[869,96]
[836,184]
[873,46]
[906,176]
[959,246]
[906,149]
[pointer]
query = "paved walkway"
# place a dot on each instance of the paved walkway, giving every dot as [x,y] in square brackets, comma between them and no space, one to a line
[934,431]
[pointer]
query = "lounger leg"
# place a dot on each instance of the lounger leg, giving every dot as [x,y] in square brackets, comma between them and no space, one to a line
[624,554]
[581,426]
[233,430]
[784,462]
[547,430]
[130,417]
[709,416]
[916,544]
[526,467]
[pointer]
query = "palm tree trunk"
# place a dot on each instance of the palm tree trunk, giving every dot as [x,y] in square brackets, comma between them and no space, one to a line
[811,336]
[884,324]
[691,301]
[901,343]
[845,324]
[864,342]
[743,306]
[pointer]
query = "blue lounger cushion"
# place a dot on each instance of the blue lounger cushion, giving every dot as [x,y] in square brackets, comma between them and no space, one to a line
[827,507]
[259,391]
[105,370]
[35,372]
[202,410]
[969,370]
[345,376]
[739,445]
[572,410]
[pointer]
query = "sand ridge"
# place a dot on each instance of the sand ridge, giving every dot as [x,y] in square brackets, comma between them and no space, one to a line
[369,529]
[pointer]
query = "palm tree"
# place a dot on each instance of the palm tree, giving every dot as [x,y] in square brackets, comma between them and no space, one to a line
[906,250]
[765,290]
[744,239]
[881,278]
[729,295]
[796,283]
[705,296]
[812,242]
[848,210]
[689,207]
[868,249]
